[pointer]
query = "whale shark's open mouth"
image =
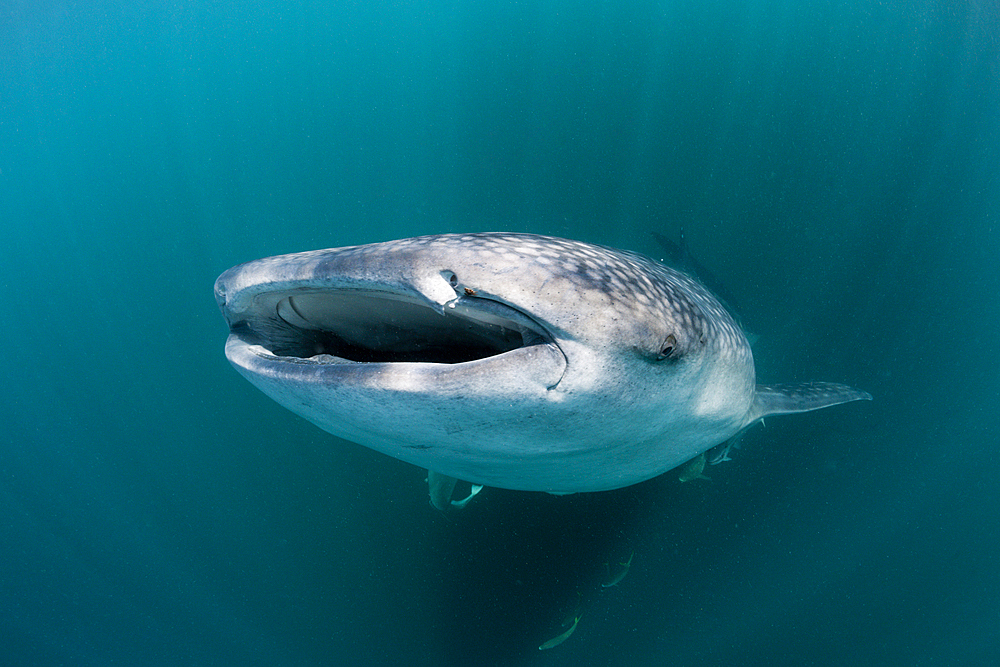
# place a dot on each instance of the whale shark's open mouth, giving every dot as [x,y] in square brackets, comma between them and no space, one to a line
[373,326]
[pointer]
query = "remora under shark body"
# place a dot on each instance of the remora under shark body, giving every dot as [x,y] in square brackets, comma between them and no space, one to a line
[509,360]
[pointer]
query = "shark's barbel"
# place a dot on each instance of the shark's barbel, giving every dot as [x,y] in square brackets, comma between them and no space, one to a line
[509,360]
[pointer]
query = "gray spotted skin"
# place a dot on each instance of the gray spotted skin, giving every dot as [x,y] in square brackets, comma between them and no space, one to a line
[631,287]
[593,403]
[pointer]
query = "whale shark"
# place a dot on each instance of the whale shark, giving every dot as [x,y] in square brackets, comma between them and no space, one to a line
[508,360]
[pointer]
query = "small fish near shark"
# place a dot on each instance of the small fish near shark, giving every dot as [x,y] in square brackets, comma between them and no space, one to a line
[509,360]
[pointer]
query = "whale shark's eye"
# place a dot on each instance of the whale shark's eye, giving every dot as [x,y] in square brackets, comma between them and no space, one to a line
[450,277]
[668,348]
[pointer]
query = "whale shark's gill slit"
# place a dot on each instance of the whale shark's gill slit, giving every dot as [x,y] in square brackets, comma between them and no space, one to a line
[373,327]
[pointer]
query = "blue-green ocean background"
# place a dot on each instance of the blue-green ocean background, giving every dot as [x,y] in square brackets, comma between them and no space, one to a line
[835,164]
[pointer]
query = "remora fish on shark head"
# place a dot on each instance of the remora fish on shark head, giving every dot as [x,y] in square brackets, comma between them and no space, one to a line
[510,360]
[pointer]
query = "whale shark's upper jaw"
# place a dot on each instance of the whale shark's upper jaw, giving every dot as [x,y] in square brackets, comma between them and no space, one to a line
[376,325]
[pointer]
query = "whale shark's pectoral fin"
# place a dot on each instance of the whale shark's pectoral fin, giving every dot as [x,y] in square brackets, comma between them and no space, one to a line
[783,399]
[442,486]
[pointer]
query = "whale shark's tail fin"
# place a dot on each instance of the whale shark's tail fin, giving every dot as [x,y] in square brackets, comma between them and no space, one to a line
[783,399]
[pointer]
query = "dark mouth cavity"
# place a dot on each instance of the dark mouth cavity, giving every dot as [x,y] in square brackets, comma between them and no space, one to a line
[378,327]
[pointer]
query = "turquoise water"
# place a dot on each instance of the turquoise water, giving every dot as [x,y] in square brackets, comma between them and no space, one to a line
[835,164]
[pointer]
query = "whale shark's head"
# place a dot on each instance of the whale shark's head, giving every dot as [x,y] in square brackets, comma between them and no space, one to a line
[510,360]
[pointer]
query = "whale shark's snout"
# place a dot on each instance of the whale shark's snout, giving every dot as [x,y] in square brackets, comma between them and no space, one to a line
[509,360]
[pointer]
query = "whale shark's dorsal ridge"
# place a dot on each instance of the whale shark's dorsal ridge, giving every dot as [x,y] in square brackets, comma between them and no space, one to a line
[509,360]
